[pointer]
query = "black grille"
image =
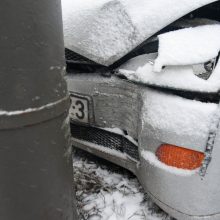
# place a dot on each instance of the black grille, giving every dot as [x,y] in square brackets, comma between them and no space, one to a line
[105,139]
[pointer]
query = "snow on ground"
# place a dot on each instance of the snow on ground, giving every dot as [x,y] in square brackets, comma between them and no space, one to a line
[107,192]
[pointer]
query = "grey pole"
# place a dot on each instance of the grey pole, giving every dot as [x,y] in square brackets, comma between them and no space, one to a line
[35,165]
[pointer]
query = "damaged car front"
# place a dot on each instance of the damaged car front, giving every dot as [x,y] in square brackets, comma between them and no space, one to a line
[144,84]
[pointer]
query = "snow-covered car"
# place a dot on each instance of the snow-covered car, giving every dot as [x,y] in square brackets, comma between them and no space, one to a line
[144,81]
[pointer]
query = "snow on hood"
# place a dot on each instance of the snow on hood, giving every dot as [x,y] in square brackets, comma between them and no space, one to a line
[188,46]
[141,69]
[106,30]
[165,114]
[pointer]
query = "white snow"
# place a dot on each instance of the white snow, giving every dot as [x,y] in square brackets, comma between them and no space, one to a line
[107,192]
[179,77]
[188,46]
[115,130]
[106,30]
[29,110]
[173,114]
[152,159]
[98,30]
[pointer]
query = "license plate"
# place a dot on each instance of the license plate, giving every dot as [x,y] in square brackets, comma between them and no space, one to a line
[79,109]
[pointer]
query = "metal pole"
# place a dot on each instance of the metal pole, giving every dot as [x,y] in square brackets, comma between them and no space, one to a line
[35,166]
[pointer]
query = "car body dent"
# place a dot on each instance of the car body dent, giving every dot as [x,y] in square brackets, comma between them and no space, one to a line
[183,196]
[140,69]
[191,195]
[109,30]
[188,46]
[135,109]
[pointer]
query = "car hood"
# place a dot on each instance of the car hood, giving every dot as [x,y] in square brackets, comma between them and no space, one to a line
[106,30]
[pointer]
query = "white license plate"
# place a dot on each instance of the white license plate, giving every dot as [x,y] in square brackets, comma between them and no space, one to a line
[79,109]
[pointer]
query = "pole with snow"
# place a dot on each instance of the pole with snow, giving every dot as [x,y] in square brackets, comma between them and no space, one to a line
[35,165]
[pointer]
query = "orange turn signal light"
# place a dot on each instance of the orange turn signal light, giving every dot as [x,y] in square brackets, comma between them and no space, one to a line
[180,157]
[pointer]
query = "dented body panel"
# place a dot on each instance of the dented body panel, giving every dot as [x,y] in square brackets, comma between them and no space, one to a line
[185,195]
[125,113]
[109,30]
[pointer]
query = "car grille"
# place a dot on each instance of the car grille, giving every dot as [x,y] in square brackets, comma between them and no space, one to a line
[105,138]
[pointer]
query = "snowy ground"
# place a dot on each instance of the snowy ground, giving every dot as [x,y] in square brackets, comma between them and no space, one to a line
[107,192]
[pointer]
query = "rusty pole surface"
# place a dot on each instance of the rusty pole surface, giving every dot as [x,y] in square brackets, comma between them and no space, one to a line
[35,166]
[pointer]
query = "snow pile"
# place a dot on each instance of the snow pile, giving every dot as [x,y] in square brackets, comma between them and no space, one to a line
[98,32]
[173,114]
[106,192]
[106,30]
[182,47]
[179,77]
[188,46]
[152,159]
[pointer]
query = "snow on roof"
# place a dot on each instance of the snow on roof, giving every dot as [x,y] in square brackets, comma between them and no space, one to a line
[106,30]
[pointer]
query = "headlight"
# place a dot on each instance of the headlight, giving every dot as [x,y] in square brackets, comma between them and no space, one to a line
[205,70]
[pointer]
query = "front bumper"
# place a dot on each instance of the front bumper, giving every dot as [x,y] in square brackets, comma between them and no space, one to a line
[150,118]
